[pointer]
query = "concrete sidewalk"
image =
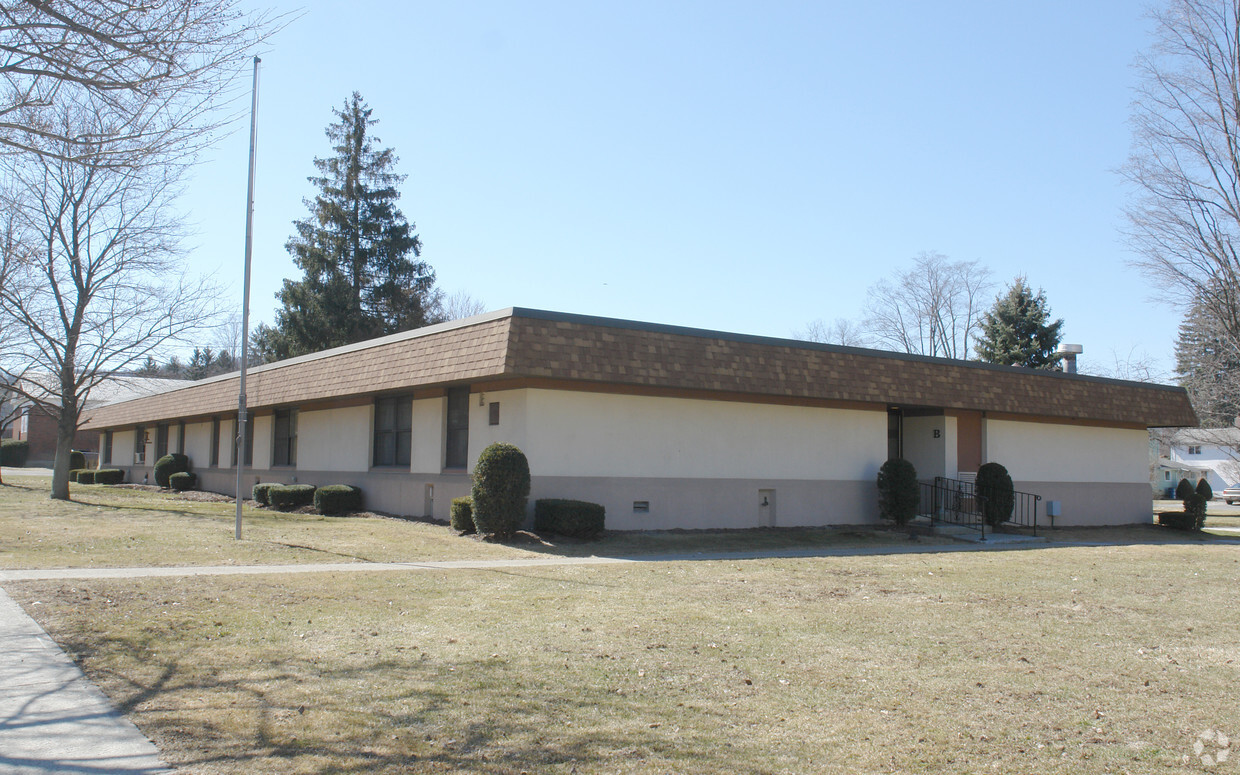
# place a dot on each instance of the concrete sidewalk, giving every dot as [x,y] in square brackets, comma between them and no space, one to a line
[54,720]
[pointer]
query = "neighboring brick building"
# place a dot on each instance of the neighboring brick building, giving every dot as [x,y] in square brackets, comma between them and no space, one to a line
[37,427]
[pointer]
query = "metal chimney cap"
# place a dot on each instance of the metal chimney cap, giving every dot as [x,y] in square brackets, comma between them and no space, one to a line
[1071,349]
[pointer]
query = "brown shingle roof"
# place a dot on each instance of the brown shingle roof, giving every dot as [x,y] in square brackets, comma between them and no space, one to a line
[521,343]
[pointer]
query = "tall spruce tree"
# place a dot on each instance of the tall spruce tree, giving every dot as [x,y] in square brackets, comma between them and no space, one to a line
[1208,367]
[363,276]
[1017,330]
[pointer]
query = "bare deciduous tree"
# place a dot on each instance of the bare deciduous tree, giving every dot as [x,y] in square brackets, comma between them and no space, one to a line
[1184,223]
[934,308]
[843,332]
[456,305]
[93,280]
[155,74]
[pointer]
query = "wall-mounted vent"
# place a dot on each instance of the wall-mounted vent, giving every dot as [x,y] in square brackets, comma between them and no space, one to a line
[641,507]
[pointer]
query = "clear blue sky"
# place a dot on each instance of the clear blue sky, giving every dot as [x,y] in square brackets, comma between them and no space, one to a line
[740,166]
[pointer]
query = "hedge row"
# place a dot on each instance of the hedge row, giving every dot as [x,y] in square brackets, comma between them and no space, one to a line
[168,465]
[86,476]
[109,476]
[182,481]
[334,499]
[578,519]
[14,453]
[461,515]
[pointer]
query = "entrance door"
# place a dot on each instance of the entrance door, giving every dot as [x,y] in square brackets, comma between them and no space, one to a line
[968,442]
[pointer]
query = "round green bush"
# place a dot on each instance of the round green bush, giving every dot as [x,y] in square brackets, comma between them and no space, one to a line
[501,488]
[995,486]
[14,453]
[168,465]
[898,493]
[287,497]
[86,476]
[577,519]
[109,476]
[1184,489]
[77,459]
[335,499]
[1204,489]
[182,481]
[260,492]
[461,515]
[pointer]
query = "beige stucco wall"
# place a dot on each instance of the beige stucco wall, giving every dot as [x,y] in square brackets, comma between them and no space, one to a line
[335,439]
[1100,476]
[264,430]
[598,434]
[122,448]
[198,444]
[513,421]
[429,424]
[927,454]
[1039,451]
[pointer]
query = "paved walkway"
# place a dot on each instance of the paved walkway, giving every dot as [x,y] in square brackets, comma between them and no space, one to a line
[54,720]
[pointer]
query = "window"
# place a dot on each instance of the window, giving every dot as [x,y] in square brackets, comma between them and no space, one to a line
[494,416]
[161,440]
[249,439]
[181,439]
[393,431]
[284,451]
[1166,476]
[215,442]
[1194,450]
[139,445]
[457,447]
[107,447]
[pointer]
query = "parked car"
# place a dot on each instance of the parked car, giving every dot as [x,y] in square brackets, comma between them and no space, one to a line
[1232,494]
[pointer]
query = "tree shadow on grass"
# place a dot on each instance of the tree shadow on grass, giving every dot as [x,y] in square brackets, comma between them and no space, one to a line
[412,712]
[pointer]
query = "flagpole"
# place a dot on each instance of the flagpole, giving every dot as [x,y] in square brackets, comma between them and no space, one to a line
[245,300]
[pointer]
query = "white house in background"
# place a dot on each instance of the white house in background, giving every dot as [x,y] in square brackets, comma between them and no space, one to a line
[1213,452]
[667,427]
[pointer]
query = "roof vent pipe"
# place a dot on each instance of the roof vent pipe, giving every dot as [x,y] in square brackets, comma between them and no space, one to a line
[1067,353]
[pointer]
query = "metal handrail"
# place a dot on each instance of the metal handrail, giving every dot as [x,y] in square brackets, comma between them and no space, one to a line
[1024,504]
[945,503]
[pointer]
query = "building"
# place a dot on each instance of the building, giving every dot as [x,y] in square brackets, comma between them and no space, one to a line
[37,426]
[1212,453]
[667,427]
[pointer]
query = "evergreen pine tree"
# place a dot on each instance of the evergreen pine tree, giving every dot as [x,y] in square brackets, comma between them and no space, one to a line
[1208,368]
[1017,330]
[362,277]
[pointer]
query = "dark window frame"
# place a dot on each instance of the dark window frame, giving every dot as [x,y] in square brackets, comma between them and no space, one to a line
[161,440]
[106,451]
[139,445]
[284,438]
[456,425]
[392,440]
[493,413]
[249,440]
[214,457]
[181,438]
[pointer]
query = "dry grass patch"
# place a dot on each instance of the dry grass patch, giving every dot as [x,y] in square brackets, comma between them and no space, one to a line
[1059,660]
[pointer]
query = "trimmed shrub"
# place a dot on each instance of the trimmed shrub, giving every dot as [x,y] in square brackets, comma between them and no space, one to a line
[501,488]
[168,465]
[461,515]
[1184,489]
[86,476]
[109,476]
[1177,520]
[1204,489]
[77,459]
[897,490]
[73,473]
[337,499]
[1195,507]
[995,486]
[182,481]
[578,519]
[287,497]
[261,490]
[14,453]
